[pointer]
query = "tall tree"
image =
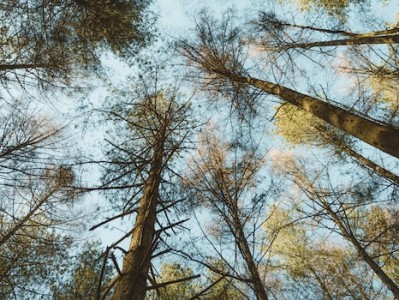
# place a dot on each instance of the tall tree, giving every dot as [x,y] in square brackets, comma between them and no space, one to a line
[348,209]
[51,41]
[300,127]
[331,269]
[219,54]
[220,179]
[36,192]
[156,127]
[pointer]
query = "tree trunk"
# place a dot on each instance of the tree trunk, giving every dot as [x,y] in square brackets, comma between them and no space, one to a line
[133,281]
[347,233]
[363,161]
[381,136]
[22,66]
[247,255]
[356,40]
[389,283]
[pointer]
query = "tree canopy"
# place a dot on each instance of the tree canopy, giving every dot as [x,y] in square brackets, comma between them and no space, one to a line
[219,150]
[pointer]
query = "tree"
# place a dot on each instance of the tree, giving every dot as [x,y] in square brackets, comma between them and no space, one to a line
[219,54]
[137,174]
[220,178]
[50,41]
[385,37]
[348,209]
[333,269]
[35,188]
[300,127]
[82,275]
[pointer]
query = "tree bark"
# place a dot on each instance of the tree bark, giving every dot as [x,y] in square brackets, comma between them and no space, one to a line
[249,260]
[22,66]
[133,281]
[353,41]
[379,135]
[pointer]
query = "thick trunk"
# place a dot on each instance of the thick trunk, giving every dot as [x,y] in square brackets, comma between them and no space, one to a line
[381,136]
[342,32]
[22,67]
[353,41]
[133,281]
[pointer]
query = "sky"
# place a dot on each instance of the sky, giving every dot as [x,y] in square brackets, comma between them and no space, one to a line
[176,17]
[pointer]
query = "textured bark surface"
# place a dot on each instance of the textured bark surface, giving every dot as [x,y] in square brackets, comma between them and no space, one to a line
[381,136]
[133,281]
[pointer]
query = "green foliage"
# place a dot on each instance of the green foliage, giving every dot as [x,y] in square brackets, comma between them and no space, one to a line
[335,8]
[298,126]
[221,288]
[53,40]
[386,90]
[82,276]
[334,269]
[301,127]
[30,262]
[225,288]
[380,228]
[178,291]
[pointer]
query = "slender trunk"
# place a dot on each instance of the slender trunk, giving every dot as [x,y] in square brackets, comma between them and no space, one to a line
[356,40]
[361,159]
[371,263]
[28,216]
[381,136]
[133,281]
[348,235]
[247,255]
[365,256]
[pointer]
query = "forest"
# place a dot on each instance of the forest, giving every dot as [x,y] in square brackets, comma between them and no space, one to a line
[181,150]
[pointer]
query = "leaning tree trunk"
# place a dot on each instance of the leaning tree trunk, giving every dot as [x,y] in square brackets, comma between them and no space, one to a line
[353,41]
[242,243]
[389,283]
[361,160]
[350,237]
[133,279]
[379,135]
